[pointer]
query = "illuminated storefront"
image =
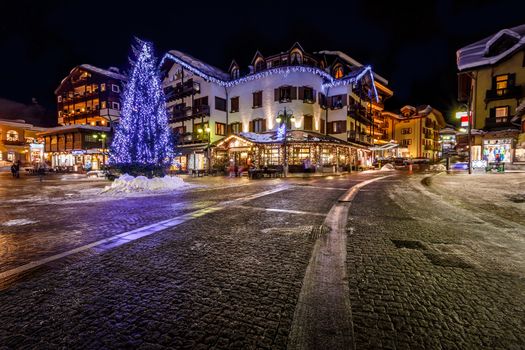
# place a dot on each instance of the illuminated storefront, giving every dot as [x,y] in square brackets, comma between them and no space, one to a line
[305,151]
[497,150]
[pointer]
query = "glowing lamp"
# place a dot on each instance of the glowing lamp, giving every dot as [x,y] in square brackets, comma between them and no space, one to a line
[278,119]
[208,129]
[199,130]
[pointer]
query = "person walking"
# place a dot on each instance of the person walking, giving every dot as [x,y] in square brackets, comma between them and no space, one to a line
[13,170]
[41,171]
[17,169]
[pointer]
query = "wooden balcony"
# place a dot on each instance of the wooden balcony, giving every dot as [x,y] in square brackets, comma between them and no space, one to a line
[500,94]
[354,136]
[14,143]
[188,113]
[493,123]
[359,113]
[182,90]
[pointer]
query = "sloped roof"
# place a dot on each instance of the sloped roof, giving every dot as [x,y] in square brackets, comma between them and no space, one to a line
[351,61]
[105,72]
[477,54]
[206,68]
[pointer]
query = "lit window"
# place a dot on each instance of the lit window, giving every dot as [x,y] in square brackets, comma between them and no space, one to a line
[235,73]
[103,87]
[103,104]
[501,114]
[502,82]
[59,98]
[12,135]
[338,72]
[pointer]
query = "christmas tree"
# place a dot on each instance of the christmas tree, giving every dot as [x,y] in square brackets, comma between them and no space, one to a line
[143,143]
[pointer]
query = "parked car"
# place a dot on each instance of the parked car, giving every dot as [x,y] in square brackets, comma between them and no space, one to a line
[460,166]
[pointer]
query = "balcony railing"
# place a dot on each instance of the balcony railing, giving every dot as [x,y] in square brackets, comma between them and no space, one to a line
[14,143]
[187,113]
[498,122]
[354,136]
[179,91]
[358,112]
[508,92]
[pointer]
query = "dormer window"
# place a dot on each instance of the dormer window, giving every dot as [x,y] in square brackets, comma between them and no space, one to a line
[338,71]
[296,58]
[235,73]
[259,65]
[501,43]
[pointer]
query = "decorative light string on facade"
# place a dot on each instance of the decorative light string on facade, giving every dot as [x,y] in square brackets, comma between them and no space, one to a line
[281,71]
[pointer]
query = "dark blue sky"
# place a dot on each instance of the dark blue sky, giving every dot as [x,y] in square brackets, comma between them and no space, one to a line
[412,46]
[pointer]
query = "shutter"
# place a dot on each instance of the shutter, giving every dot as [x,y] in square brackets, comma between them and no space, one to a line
[493,83]
[263,125]
[259,98]
[320,99]
[276,94]
[343,126]
[230,129]
[301,93]
[293,92]
[250,126]
[314,95]
[493,112]
[345,100]
[512,80]
[321,123]
[329,102]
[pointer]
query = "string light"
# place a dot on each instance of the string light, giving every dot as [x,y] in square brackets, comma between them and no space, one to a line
[143,137]
[329,80]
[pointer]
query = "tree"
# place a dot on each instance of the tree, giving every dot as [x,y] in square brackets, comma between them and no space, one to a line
[143,142]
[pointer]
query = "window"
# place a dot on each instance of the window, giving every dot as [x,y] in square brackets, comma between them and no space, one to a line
[235,73]
[220,129]
[103,104]
[501,114]
[235,128]
[337,127]
[103,87]
[234,102]
[323,100]
[406,142]
[11,156]
[285,94]
[405,131]
[338,101]
[259,65]
[220,104]
[502,83]
[308,122]
[59,99]
[115,105]
[257,99]
[258,125]
[296,58]
[115,88]
[338,71]
[12,135]
[179,130]
[90,138]
[306,94]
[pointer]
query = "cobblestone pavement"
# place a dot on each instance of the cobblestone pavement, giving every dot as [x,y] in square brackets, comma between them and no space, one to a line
[229,279]
[415,281]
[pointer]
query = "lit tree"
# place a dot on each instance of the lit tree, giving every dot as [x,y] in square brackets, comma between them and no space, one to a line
[143,142]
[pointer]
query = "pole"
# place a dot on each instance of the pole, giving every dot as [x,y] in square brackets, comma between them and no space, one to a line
[285,158]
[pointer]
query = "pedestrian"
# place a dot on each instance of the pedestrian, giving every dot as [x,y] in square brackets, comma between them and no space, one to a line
[236,170]
[17,169]
[41,171]
[13,170]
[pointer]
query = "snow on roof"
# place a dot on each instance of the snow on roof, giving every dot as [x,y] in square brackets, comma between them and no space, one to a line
[352,61]
[105,72]
[200,65]
[476,54]
[261,138]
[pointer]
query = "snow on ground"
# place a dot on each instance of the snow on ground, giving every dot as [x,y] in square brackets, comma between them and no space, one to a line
[130,184]
[18,222]
[387,167]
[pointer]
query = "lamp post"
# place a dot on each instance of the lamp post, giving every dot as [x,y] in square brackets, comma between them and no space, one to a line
[282,120]
[208,157]
[102,137]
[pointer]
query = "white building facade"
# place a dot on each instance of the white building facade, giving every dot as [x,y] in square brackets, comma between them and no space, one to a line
[333,97]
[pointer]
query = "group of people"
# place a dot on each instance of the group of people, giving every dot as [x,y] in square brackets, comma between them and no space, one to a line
[39,169]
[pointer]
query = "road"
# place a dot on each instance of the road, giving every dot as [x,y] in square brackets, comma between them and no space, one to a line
[239,264]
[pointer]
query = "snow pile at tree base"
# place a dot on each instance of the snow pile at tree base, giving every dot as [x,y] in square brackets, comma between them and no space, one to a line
[387,167]
[130,184]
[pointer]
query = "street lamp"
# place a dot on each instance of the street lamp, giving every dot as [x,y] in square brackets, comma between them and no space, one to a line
[282,120]
[102,137]
[208,156]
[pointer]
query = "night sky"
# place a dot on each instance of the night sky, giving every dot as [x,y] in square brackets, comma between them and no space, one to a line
[411,46]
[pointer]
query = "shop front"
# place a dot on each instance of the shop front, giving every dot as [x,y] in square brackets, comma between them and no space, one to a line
[302,152]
